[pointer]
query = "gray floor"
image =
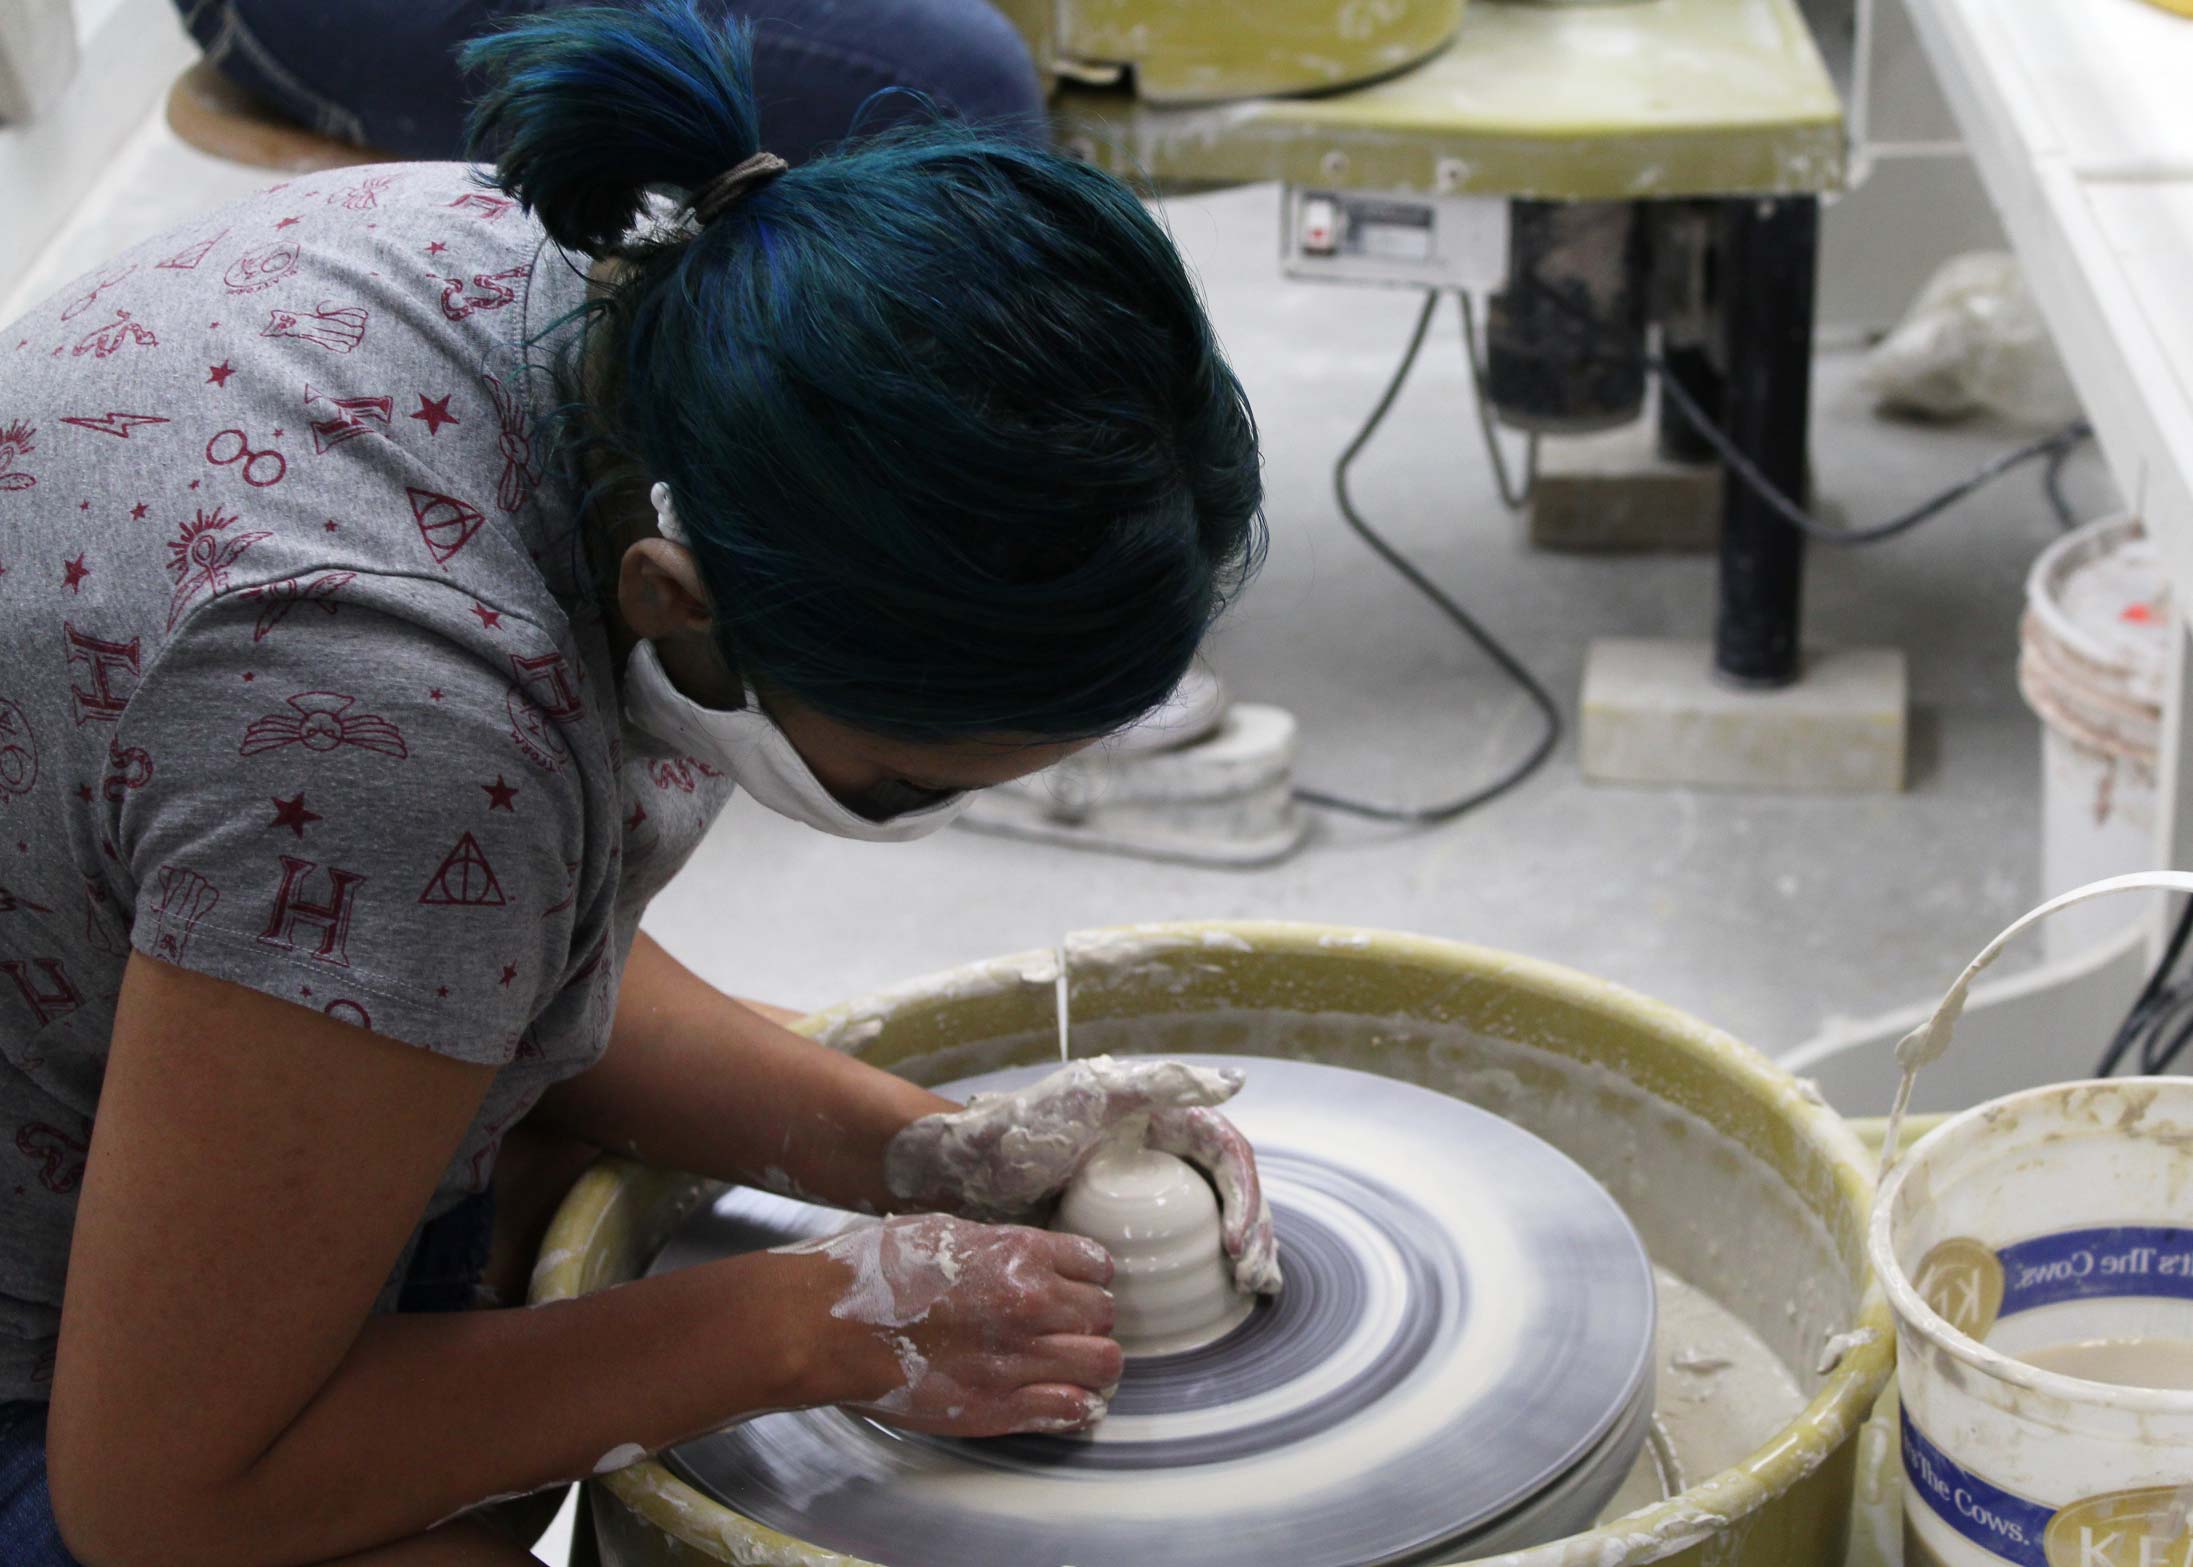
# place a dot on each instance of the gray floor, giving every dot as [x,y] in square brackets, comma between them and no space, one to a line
[1761,914]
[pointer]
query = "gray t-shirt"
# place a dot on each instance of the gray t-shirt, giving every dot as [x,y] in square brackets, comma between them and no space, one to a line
[302,682]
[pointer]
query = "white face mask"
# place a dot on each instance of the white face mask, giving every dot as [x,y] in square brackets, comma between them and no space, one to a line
[760,757]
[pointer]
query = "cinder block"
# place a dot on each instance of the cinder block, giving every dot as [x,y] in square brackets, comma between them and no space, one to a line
[1655,713]
[1614,493]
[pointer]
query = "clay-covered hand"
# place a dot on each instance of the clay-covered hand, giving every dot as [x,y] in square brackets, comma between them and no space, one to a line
[1006,1156]
[968,1329]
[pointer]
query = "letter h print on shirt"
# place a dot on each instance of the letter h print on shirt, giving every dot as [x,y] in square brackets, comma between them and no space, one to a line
[320,929]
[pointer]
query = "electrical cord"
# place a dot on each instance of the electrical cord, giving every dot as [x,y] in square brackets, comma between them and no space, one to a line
[2056,447]
[2148,1026]
[1515,498]
[2060,441]
[2053,445]
[1490,645]
[2052,484]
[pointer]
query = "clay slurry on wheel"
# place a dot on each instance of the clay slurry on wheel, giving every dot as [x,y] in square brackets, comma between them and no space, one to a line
[1463,1354]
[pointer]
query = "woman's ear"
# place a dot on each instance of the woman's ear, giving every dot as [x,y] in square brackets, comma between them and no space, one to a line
[660,592]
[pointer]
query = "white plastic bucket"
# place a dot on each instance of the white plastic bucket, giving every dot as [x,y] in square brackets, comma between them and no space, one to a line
[2093,658]
[2055,1218]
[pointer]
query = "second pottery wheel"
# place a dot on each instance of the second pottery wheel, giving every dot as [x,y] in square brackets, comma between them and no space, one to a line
[1461,1361]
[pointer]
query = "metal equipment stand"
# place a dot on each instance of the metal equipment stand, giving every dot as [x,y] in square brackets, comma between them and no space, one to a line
[1769,255]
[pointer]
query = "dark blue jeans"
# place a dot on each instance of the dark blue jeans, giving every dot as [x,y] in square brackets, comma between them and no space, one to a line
[444,1275]
[383,73]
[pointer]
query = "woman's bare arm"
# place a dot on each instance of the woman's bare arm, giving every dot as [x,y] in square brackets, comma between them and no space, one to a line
[695,1080]
[221,1395]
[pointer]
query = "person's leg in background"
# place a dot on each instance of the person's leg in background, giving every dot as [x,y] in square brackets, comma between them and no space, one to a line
[383,73]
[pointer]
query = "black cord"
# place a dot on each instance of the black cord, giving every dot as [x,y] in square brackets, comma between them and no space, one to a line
[2052,484]
[2058,442]
[2159,1001]
[1490,645]
[2057,447]
[1516,497]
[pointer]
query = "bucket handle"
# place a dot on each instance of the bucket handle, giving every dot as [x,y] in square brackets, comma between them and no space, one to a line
[1928,1042]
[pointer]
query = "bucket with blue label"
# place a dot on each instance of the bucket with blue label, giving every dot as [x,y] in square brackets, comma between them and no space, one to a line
[2038,1254]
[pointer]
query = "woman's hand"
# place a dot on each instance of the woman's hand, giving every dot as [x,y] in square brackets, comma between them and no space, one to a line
[968,1329]
[1006,1155]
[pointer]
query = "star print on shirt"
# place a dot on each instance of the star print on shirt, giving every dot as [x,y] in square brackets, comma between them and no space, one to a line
[289,222]
[435,248]
[489,618]
[510,972]
[441,990]
[292,814]
[137,512]
[639,815]
[73,573]
[500,794]
[434,411]
[217,375]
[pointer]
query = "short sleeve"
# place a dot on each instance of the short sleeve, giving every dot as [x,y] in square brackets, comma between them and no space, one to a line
[341,814]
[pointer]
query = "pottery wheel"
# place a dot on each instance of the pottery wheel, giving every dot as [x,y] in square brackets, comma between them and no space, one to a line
[1462,1357]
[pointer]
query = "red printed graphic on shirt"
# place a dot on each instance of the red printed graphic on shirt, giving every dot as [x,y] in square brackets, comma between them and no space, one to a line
[187,259]
[199,557]
[279,598]
[10,903]
[97,907]
[533,734]
[185,898]
[434,412]
[59,1156]
[546,678]
[18,750]
[489,208]
[15,445]
[363,196]
[84,302]
[464,879]
[261,269]
[329,917]
[50,994]
[344,1010]
[515,440]
[486,291]
[117,334]
[570,890]
[446,524]
[336,328]
[115,424]
[261,467]
[322,721]
[132,769]
[354,416]
[678,773]
[114,669]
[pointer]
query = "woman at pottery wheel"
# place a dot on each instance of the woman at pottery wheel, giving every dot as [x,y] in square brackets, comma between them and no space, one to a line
[442,552]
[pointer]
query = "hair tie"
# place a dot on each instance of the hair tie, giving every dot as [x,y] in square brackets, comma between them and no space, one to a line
[712,198]
[666,516]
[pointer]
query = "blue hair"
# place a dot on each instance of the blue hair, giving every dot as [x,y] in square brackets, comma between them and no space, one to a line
[943,412]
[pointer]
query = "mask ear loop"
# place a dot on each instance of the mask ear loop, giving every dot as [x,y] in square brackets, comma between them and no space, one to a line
[666,516]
